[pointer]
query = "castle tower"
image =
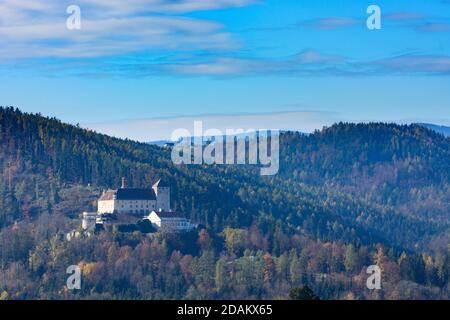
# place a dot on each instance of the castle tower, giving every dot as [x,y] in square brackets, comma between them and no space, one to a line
[162,191]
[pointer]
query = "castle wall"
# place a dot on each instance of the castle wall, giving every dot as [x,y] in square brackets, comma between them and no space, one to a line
[162,202]
[106,206]
[135,206]
[163,199]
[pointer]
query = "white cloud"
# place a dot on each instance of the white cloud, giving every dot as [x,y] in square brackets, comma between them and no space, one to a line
[164,6]
[30,29]
[162,128]
[434,27]
[404,16]
[331,23]
[417,64]
[112,36]
[306,62]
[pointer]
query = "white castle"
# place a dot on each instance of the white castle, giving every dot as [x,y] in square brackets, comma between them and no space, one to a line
[135,201]
[152,204]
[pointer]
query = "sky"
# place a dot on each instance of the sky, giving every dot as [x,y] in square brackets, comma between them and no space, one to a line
[141,69]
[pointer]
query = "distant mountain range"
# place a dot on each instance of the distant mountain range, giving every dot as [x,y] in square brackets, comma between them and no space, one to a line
[441,129]
[437,128]
[208,139]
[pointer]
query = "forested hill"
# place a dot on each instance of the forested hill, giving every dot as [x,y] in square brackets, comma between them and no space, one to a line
[353,182]
[346,197]
[393,171]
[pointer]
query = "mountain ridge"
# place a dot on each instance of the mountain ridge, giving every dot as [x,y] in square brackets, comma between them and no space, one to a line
[344,195]
[445,130]
[76,161]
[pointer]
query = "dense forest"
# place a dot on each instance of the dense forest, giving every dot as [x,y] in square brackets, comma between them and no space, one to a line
[346,197]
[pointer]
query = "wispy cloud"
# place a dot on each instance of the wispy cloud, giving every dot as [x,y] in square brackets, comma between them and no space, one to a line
[109,27]
[434,27]
[411,64]
[331,23]
[179,45]
[308,62]
[413,20]
[404,16]
[23,8]
[163,6]
[419,22]
[334,23]
[156,129]
[305,63]
[161,128]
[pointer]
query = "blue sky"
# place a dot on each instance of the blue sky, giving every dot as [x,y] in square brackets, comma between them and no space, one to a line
[161,59]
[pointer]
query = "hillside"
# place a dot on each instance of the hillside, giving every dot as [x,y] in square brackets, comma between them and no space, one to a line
[398,176]
[343,195]
[368,180]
